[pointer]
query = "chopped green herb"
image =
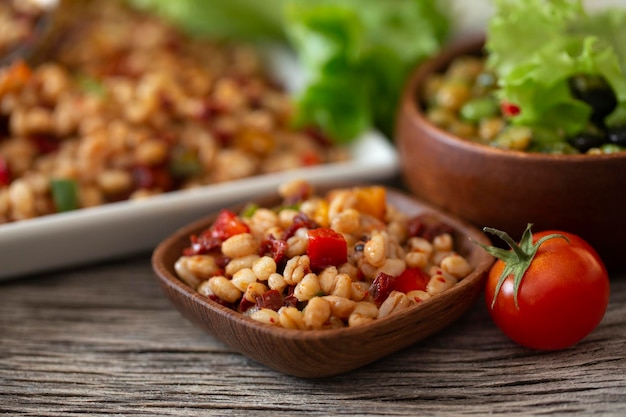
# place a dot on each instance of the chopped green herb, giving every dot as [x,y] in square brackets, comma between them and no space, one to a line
[249,210]
[64,194]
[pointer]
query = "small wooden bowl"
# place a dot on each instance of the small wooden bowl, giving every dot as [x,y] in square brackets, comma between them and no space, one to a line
[322,353]
[582,194]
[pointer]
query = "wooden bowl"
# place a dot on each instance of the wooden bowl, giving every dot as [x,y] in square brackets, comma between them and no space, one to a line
[582,194]
[322,353]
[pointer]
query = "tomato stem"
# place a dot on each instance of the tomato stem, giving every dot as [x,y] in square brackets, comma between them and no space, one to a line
[518,259]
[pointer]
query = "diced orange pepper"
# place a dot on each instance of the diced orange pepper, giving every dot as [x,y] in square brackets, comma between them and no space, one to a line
[320,215]
[255,142]
[372,200]
[14,77]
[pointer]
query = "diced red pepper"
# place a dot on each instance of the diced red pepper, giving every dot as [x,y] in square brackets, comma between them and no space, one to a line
[509,109]
[227,224]
[5,173]
[411,279]
[310,158]
[326,247]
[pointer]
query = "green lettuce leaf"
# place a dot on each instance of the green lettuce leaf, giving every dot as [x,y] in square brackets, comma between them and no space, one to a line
[535,46]
[357,55]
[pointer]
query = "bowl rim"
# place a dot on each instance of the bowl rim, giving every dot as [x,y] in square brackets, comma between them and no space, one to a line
[413,111]
[165,276]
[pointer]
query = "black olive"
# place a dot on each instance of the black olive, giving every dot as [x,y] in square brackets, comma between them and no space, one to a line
[617,135]
[585,141]
[595,91]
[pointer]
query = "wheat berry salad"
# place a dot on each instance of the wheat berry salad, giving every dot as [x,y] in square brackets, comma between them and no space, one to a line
[341,259]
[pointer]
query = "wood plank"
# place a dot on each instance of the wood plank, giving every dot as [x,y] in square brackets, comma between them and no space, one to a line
[103,340]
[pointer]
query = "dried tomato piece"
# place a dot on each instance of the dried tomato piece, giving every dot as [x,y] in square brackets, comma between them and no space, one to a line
[218,300]
[45,143]
[299,221]
[290,301]
[221,261]
[244,305]
[326,247]
[201,244]
[270,299]
[5,173]
[276,248]
[152,177]
[428,227]
[381,287]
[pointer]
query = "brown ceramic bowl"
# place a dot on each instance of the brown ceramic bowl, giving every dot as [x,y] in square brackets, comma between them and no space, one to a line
[582,194]
[322,353]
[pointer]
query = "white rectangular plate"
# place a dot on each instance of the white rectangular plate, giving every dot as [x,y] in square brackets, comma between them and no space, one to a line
[120,229]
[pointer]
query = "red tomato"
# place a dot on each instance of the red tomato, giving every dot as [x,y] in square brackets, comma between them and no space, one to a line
[326,248]
[562,295]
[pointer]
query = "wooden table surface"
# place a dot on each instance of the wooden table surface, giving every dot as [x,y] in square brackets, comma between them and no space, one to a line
[103,340]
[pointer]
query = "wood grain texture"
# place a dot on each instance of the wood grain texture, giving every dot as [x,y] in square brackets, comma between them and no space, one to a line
[103,340]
